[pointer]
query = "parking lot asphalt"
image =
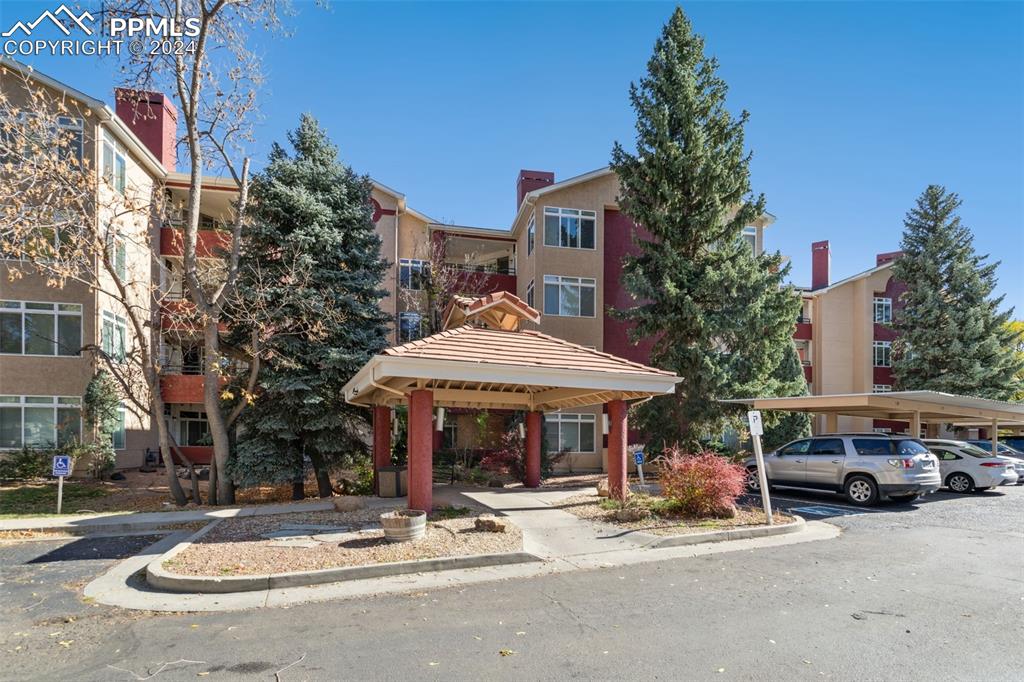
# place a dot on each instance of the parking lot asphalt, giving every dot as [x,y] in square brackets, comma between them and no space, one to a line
[932,590]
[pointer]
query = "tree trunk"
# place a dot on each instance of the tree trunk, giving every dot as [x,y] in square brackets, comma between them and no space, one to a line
[214,416]
[165,448]
[299,483]
[211,485]
[323,478]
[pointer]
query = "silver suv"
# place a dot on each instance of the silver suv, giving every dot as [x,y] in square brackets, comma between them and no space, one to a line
[866,467]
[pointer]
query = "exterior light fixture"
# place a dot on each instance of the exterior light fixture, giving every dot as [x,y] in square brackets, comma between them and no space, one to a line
[440,419]
[604,424]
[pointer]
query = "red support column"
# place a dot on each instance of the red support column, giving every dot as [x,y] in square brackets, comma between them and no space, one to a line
[381,441]
[533,431]
[617,428]
[421,449]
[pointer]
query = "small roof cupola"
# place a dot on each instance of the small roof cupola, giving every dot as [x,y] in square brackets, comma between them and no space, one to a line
[499,310]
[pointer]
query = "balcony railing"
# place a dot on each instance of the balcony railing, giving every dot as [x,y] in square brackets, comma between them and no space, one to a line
[489,268]
[803,320]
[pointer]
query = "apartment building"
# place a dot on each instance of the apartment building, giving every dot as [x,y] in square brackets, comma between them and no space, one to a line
[45,330]
[562,254]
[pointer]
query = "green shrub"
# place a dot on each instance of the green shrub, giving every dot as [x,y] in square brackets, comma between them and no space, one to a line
[26,463]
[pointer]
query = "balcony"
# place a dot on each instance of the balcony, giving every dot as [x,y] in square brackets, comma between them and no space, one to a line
[803,329]
[808,372]
[181,388]
[209,243]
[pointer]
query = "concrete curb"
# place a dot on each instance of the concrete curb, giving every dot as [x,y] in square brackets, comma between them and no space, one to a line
[160,578]
[659,541]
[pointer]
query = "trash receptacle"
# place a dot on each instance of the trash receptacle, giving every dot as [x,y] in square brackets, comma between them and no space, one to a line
[391,482]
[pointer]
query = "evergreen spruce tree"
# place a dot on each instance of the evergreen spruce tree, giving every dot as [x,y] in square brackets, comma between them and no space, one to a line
[721,317]
[783,427]
[952,336]
[313,259]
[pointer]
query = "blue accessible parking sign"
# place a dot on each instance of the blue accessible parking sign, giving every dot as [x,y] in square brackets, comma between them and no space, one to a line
[62,465]
[638,457]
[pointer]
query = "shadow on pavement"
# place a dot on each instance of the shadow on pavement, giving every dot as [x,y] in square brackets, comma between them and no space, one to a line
[84,549]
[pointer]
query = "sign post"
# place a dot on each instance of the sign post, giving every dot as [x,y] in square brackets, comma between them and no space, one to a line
[756,431]
[61,468]
[638,457]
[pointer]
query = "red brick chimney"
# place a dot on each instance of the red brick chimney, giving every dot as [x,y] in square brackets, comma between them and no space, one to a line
[530,180]
[821,263]
[882,258]
[153,119]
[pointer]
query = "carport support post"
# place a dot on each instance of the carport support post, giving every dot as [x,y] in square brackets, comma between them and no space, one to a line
[381,442]
[533,429]
[831,422]
[421,449]
[995,436]
[617,449]
[915,425]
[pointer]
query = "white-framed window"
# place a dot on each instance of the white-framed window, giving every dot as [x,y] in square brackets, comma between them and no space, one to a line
[39,421]
[118,436]
[450,438]
[37,328]
[882,351]
[529,294]
[193,428]
[410,327]
[117,252]
[883,310]
[115,164]
[114,336]
[570,432]
[66,134]
[749,235]
[570,296]
[570,228]
[531,234]
[881,388]
[412,273]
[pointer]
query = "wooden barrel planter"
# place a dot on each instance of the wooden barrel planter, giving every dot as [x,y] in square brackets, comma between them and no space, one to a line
[404,525]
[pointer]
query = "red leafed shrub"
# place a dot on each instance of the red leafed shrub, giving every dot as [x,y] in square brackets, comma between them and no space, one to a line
[704,484]
[508,458]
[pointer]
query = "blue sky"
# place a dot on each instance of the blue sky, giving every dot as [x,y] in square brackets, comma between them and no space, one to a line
[855,108]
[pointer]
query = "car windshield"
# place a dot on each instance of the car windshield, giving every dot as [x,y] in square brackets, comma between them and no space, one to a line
[911,447]
[975,451]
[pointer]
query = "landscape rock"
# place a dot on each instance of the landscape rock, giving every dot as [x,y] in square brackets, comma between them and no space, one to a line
[630,515]
[726,512]
[348,503]
[490,523]
[602,488]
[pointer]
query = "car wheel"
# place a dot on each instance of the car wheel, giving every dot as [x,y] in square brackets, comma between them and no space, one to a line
[753,482]
[960,483]
[861,491]
[904,498]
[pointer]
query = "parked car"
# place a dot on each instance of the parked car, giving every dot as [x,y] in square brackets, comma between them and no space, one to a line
[966,467]
[1007,450]
[866,467]
[1015,442]
[1004,449]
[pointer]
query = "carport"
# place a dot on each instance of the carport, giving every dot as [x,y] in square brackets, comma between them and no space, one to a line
[485,360]
[928,408]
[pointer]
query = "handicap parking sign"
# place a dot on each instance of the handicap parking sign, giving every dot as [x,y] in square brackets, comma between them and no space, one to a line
[61,465]
[638,457]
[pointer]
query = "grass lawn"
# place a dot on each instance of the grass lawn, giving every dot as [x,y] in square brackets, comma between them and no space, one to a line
[40,499]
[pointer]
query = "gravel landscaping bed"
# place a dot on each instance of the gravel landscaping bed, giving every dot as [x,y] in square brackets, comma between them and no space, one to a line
[318,540]
[587,506]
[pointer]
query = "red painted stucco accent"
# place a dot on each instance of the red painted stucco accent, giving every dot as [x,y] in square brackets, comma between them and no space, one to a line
[618,243]
[379,211]
[886,257]
[182,388]
[881,375]
[530,180]
[381,440]
[896,426]
[197,454]
[533,432]
[421,450]
[617,428]
[821,264]
[809,373]
[803,331]
[153,119]
[209,243]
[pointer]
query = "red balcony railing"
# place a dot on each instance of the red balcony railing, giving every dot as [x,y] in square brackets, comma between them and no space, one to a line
[209,243]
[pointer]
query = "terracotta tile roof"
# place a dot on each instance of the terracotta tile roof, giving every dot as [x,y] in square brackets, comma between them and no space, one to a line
[499,309]
[481,345]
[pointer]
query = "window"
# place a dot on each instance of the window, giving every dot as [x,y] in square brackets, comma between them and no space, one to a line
[115,165]
[882,353]
[113,338]
[883,310]
[531,234]
[67,136]
[570,432]
[117,253]
[31,328]
[800,447]
[828,446]
[881,388]
[750,236]
[569,227]
[945,455]
[412,273]
[39,421]
[908,447]
[873,446]
[529,294]
[410,327]
[71,139]
[193,428]
[569,296]
[451,435]
[118,436]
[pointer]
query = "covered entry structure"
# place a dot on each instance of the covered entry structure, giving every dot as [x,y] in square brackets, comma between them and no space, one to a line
[485,360]
[929,409]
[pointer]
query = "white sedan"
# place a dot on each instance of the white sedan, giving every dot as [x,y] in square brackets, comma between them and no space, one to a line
[967,467]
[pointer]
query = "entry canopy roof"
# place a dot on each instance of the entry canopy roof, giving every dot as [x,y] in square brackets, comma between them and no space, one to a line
[488,362]
[932,406]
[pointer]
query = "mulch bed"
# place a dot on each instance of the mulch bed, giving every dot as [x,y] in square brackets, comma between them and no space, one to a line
[587,506]
[238,546]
